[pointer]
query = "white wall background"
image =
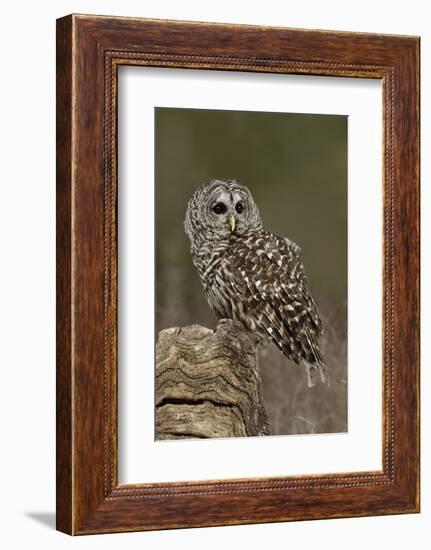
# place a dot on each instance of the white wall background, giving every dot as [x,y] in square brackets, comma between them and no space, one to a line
[27,252]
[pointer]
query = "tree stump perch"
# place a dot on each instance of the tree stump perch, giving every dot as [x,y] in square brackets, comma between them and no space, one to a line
[208,383]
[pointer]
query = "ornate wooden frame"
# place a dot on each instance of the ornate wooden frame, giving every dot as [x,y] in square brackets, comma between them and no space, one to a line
[89,51]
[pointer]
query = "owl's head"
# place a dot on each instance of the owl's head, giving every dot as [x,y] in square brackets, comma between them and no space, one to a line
[218,208]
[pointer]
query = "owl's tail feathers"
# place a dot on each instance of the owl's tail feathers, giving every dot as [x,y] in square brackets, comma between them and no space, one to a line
[314,371]
[317,367]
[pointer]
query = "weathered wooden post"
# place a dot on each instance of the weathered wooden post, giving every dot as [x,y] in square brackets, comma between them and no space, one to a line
[208,383]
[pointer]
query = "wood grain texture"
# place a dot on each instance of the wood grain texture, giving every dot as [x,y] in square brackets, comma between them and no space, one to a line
[208,383]
[64,496]
[90,49]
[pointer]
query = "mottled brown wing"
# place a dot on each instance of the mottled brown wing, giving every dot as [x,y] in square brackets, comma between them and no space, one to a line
[266,274]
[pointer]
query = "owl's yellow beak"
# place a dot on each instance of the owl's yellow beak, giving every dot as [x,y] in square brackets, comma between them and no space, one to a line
[231,221]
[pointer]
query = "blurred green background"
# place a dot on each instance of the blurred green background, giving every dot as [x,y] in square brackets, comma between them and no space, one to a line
[296,168]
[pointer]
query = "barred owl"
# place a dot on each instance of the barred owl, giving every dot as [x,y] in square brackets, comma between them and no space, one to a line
[251,275]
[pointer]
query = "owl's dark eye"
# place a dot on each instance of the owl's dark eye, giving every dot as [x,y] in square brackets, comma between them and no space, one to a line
[220,208]
[239,207]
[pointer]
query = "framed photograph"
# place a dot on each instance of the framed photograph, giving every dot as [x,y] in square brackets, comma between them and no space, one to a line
[237,274]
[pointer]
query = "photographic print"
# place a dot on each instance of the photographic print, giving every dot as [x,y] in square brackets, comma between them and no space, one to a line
[251,273]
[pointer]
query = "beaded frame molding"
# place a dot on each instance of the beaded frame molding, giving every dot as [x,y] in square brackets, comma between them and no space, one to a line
[89,51]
